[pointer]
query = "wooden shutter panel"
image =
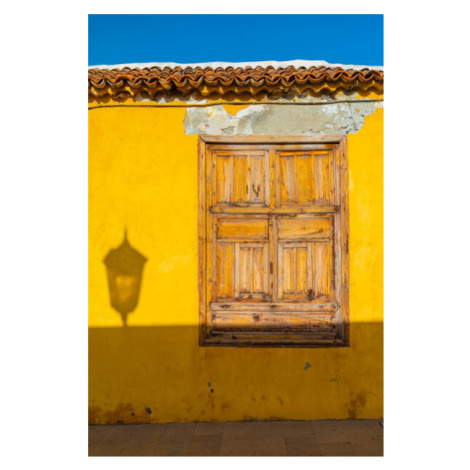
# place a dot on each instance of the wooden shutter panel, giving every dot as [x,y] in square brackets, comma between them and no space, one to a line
[273,243]
[241,177]
[242,258]
[305,177]
[305,258]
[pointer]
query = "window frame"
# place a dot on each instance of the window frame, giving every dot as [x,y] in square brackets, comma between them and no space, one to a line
[341,240]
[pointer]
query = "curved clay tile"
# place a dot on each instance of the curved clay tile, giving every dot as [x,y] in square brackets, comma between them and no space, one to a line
[154,79]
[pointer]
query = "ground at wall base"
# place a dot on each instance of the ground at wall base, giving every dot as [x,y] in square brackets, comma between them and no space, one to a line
[249,438]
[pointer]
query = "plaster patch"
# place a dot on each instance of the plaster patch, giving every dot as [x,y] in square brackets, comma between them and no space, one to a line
[290,97]
[169,99]
[287,119]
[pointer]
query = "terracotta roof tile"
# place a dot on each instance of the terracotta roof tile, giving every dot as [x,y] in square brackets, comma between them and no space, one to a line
[253,81]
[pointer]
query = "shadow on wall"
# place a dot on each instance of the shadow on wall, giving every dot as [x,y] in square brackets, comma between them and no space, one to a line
[124,266]
[160,374]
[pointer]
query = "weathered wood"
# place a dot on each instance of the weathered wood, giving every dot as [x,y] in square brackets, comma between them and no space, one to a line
[269,139]
[256,339]
[291,211]
[242,229]
[202,215]
[273,241]
[300,322]
[242,176]
[304,177]
[343,314]
[225,277]
[305,228]
[316,306]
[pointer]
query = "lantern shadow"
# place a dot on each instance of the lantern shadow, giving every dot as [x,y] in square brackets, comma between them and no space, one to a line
[124,267]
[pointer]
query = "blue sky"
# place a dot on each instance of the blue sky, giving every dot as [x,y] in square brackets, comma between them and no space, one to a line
[346,39]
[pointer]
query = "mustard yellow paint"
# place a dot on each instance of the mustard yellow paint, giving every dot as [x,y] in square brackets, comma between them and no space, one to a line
[233,109]
[143,176]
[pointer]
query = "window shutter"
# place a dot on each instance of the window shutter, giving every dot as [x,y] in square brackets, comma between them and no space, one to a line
[273,238]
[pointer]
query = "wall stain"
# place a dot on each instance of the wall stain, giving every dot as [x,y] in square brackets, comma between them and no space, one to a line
[356,405]
[123,413]
[93,413]
[307,366]
[211,401]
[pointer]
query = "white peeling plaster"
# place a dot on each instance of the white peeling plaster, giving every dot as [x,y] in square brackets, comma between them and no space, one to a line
[291,119]
[266,63]
[171,99]
[290,97]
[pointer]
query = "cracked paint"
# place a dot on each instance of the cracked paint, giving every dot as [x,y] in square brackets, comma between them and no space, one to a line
[288,119]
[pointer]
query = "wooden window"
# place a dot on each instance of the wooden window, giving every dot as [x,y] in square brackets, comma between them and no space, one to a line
[273,241]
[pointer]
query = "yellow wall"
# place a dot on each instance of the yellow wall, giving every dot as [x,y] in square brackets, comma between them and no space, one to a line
[143,176]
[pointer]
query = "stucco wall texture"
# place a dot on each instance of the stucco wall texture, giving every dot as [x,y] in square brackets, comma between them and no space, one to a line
[143,176]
